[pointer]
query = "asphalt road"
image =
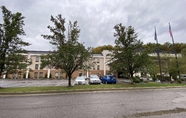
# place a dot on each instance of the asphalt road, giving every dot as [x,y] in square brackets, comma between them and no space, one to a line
[157,103]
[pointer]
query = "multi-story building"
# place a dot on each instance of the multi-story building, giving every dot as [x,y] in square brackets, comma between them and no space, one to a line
[98,66]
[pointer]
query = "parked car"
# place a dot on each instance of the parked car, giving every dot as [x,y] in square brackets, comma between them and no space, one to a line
[108,79]
[80,80]
[94,79]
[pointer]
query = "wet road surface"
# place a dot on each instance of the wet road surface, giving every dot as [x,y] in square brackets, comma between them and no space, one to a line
[158,103]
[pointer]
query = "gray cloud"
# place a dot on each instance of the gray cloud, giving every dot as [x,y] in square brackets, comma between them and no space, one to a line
[96,19]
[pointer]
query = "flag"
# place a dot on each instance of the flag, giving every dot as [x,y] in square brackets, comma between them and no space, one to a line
[155,35]
[170,31]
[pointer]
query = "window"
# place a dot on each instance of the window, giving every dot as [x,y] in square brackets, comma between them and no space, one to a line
[80,73]
[19,75]
[61,75]
[40,67]
[36,66]
[35,74]
[98,67]
[94,67]
[97,60]
[37,58]
[56,75]
[41,75]
[14,76]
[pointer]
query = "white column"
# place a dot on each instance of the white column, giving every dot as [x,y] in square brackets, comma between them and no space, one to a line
[105,52]
[27,69]
[104,62]
[4,75]
[87,73]
[48,74]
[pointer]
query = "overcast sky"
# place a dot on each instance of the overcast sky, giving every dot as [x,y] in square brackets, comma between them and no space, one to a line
[96,19]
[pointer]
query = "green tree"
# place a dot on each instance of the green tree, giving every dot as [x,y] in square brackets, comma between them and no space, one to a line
[169,65]
[183,53]
[11,44]
[182,61]
[153,68]
[70,55]
[99,49]
[128,56]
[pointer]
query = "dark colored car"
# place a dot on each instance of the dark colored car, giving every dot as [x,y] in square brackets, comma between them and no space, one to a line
[108,79]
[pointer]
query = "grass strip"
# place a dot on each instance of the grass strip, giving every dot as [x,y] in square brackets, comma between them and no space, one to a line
[85,87]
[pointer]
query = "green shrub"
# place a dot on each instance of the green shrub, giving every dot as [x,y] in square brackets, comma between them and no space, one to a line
[166,78]
[154,79]
[179,81]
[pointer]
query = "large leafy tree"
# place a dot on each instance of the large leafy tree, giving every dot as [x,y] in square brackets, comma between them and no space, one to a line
[99,49]
[70,55]
[183,61]
[10,42]
[153,68]
[128,56]
[169,65]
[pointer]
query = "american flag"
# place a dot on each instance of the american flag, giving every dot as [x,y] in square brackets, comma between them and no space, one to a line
[170,31]
[155,35]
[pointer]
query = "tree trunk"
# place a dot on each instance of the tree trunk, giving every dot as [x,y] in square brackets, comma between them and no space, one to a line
[131,77]
[69,80]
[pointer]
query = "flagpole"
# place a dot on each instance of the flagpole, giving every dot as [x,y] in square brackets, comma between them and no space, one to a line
[171,35]
[158,55]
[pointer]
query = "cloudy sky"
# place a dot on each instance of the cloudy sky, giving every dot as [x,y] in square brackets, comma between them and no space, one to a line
[96,19]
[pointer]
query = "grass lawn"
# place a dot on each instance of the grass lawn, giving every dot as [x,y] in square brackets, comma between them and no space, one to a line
[86,87]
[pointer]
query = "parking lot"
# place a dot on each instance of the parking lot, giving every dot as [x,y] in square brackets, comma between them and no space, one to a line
[7,83]
[29,83]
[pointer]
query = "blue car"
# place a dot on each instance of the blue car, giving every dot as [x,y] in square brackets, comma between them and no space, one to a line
[108,79]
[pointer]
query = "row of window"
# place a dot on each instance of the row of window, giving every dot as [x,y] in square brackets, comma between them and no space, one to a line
[40,75]
[96,67]
[36,74]
[14,75]
[96,60]
[37,58]
[37,66]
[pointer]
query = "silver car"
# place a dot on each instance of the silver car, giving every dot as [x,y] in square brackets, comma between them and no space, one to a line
[94,79]
[80,81]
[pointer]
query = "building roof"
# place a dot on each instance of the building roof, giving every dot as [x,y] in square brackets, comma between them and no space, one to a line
[38,52]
